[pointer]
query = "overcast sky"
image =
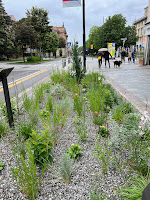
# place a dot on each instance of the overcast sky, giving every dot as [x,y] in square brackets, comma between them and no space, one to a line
[72,16]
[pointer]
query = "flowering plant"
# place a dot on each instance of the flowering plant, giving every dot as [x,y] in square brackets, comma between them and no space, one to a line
[103,131]
[74,151]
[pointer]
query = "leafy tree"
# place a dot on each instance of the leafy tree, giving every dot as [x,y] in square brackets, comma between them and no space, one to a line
[95,38]
[6,43]
[132,38]
[51,43]
[62,42]
[114,29]
[38,18]
[25,35]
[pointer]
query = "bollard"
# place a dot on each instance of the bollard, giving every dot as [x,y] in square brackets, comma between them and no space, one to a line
[63,63]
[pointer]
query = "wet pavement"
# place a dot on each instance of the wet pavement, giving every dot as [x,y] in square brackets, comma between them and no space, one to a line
[130,80]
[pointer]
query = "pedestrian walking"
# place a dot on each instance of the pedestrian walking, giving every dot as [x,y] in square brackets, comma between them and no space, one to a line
[99,59]
[129,56]
[106,56]
[133,56]
[123,54]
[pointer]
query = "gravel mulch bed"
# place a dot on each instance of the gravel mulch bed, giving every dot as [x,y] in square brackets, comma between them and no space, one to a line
[86,171]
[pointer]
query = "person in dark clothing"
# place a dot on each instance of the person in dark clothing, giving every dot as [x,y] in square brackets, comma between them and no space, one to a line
[133,56]
[99,59]
[106,56]
[123,54]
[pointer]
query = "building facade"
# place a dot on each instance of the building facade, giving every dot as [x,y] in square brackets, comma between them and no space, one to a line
[61,32]
[140,29]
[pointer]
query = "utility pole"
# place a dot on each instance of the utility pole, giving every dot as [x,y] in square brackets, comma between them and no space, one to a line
[103,34]
[84,45]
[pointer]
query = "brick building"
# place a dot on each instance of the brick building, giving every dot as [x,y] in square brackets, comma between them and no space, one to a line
[61,32]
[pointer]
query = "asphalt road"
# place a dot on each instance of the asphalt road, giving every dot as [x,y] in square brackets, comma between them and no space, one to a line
[26,75]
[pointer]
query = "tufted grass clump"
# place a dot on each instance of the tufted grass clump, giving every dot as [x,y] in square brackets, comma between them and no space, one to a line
[65,169]
[135,188]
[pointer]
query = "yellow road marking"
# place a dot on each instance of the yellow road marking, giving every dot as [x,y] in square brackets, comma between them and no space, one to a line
[16,83]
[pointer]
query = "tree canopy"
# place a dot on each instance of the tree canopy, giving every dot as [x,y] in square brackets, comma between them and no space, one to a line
[114,29]
[62,42]
[6,43]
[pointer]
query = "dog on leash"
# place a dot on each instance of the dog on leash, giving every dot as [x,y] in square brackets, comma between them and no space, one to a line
[117,63]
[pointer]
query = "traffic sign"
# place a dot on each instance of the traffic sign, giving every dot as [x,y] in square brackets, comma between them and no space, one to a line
[68,44]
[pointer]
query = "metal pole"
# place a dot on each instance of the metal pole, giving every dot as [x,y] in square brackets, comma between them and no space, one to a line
[84,45]
[7,100]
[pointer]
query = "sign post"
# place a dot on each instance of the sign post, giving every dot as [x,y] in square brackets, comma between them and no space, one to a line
[123,39]
[84,45]
[3,77]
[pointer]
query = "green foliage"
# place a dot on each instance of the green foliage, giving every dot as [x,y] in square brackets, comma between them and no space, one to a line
[33,59]
[42,146]
[65,169]
[131,121]
[78,104]
[6,36]
[49,103]
[104,155]
[62,42]
[26,174]
[121,110]
[51,42]
[25,35]
[25,129]
[4,109]
[97,195]
[135,188]
[139,154]
[3,128]
[103,131]
[114,29]
[38,94]
[74,151]
[80,127]
[1,165]
[27,102]
[77,64]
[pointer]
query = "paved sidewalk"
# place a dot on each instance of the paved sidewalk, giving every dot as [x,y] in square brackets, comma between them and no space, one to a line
[130,80]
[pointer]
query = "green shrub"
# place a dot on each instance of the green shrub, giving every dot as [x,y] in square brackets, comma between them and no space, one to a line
[103,131]
[77,64]
[74,151]
[42,146]
[34,59]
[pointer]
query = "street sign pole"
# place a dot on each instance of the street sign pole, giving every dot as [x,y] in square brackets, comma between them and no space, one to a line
[84,45]
[3,77]
[7,100]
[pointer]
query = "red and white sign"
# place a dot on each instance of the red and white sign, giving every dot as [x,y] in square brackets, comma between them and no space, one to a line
[71,3]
